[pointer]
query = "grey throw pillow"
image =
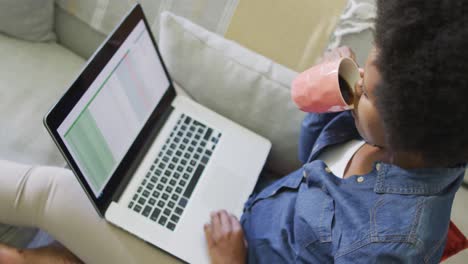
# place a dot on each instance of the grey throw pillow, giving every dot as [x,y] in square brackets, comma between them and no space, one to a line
[31,20]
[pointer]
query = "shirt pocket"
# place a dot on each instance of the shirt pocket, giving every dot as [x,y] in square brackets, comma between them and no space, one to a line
[291,181]
[315,211]
[396,219]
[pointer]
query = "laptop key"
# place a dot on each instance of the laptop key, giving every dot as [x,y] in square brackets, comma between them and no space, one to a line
[186,176]
[183,202]
[178,153]
[182,183]
[176,175]
[175,197]
[172,182]
[170,152]
[193,163]
[154,179]
[178,190]
[161,204]
[146,193]
[156,194]
[165,196]
[142,201]
[163,180]
[171,166]
[189,134]
[165,159]
[169,189]
[187,120]
[147,211]
[155,214]
[150,186]
[186,155]
[194,180]
[152,201]
[160,187]
[170,204]
[130,205]
[162,220]
[137,208]
[179,210]
[185,141]
[208,134]
[175,218]
[171,226]
[204,159]
[167,212]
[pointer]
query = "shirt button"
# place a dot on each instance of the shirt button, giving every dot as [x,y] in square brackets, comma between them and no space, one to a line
[304,174]
[327,169]
[360,179]
[377,167]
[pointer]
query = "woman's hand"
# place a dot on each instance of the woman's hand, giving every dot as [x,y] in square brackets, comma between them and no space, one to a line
[225,238]
[336,54]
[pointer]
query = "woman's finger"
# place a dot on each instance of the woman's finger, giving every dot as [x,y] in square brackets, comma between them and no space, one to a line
[345,51]
[226,226]
[209,235]
[236,226]
[216,226]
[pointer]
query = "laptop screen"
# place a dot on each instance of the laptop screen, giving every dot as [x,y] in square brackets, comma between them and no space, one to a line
[102,126]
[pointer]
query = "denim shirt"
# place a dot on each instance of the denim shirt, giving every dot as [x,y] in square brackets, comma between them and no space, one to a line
[389,215]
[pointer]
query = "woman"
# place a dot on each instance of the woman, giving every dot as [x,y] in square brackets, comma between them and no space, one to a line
[393,202]
[407,136]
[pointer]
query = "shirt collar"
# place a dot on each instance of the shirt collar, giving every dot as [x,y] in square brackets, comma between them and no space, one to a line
[421,181]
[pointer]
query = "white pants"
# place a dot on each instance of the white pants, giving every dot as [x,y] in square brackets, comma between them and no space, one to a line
[53,200]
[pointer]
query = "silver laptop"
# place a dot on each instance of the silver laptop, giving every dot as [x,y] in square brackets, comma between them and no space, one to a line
[153,163]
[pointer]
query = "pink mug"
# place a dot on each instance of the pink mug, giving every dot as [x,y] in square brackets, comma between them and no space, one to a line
[318,90]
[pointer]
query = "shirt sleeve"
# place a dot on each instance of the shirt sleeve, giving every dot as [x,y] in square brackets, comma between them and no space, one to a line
[311,127]
[387,252]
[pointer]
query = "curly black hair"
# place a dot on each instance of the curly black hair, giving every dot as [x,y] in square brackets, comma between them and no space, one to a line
[422,48]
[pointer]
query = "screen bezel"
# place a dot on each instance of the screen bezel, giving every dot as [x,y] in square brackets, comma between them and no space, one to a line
[63,107]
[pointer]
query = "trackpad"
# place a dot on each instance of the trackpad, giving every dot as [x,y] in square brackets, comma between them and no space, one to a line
[222,190]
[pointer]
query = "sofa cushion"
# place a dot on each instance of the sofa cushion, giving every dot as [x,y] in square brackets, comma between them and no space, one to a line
[235,82]
[32,77]
[31,20]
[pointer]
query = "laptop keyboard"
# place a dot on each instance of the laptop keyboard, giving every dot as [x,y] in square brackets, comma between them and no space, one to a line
[166,189]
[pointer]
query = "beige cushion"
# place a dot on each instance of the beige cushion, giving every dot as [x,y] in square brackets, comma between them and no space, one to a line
[32,78]
[31,20]
[235,82]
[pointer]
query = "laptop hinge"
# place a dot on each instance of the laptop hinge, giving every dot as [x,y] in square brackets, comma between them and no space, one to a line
[141,153]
